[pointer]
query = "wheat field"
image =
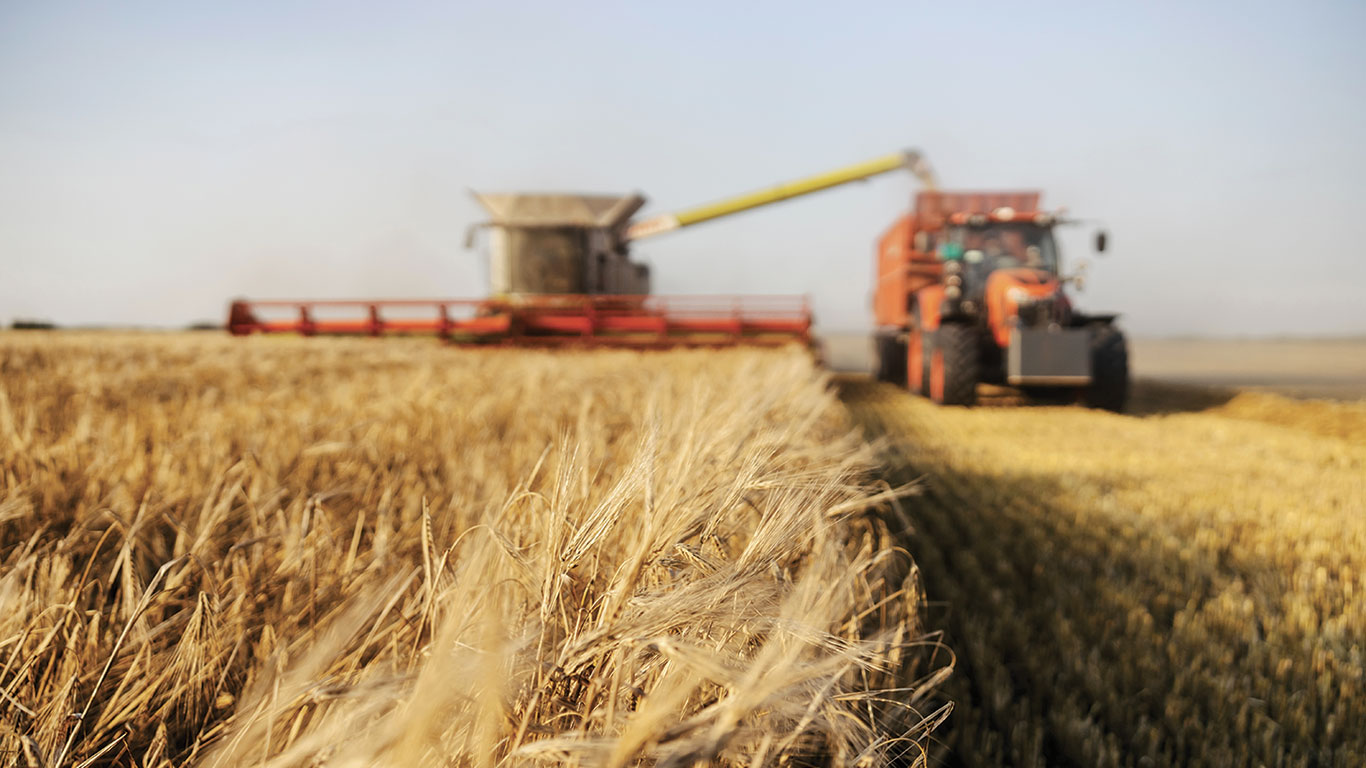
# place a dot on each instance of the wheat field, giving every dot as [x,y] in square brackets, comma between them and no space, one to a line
[289,552]
[1183,588]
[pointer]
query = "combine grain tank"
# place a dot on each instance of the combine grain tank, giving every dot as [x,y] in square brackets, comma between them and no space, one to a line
[561,244]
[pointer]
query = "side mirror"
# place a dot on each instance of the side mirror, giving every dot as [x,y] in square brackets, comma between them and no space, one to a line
[1101,240]
[1078,278]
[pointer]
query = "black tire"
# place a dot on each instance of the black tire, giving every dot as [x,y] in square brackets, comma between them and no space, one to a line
[880,357]
[897,360]
[891,359]
[955,357]
[1109,389]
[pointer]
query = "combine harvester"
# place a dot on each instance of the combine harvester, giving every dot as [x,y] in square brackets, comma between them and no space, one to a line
[969,289]
[561,274]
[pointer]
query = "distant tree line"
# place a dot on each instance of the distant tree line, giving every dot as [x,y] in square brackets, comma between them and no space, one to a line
[29,324]
[32,325]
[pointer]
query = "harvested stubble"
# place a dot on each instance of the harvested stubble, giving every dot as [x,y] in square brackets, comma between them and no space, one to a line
[301,552]
[1181,589]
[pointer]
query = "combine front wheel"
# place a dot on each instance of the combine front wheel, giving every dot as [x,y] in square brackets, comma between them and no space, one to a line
[953,366]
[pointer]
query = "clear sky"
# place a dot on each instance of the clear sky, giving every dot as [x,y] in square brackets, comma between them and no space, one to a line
[157,159]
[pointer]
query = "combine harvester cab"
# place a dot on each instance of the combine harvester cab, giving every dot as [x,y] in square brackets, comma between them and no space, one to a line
[561,273]
[970,290]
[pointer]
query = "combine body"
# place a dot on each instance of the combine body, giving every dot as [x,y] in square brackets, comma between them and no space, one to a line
[969,290]
[561,273]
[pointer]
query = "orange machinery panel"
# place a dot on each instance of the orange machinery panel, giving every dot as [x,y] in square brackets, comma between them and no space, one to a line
[934,207]
[905,264]
[544,320]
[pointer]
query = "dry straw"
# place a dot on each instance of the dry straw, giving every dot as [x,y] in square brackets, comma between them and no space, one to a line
[323,552]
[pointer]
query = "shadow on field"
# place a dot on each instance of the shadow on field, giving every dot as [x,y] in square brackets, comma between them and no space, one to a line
[1147,397]
[1063,622]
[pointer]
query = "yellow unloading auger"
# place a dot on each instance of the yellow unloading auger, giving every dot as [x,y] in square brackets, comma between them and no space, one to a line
[560,273]
[908,159]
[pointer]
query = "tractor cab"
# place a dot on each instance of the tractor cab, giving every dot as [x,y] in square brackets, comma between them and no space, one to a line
[1003,245]
[975,252]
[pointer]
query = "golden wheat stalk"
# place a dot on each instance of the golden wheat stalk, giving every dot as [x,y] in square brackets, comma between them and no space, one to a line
[286,552]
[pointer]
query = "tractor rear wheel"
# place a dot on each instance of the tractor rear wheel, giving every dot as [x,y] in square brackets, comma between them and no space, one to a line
[1109,388]
[891,359]
[954,366]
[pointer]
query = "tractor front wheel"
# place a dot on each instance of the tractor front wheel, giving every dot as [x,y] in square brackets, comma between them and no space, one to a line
[954,366]
[1109,388]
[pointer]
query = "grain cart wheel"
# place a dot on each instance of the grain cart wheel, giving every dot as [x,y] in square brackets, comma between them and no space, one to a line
[917,362]
[953,366]
[891,359]
[897,360]
[880,351]
[1109,387]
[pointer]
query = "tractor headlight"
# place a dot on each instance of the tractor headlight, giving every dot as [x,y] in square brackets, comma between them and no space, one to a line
[953,292]
[953,267]
[953,280]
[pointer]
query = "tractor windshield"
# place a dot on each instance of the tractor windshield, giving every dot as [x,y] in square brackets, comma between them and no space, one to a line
[1007,245]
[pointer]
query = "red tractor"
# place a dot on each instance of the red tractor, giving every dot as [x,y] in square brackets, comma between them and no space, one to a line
[969,290]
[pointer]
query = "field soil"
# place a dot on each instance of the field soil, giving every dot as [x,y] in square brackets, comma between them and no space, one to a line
[1321,368]
[1178,586]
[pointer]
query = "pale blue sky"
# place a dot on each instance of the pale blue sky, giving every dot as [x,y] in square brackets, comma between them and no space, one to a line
[160,158]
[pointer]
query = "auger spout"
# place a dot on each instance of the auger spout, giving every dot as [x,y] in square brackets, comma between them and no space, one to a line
[909,159]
